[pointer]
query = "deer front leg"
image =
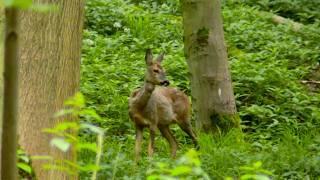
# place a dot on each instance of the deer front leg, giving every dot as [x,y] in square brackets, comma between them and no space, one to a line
[139,137]
[151,140]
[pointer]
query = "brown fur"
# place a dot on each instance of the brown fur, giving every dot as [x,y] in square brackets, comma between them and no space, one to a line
[157,107]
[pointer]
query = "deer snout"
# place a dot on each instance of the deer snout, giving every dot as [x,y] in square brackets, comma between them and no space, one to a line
[165,83]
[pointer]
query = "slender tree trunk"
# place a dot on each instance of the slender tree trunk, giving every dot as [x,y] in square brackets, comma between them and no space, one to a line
[49,73]
[9,140]
[212,93]
[2,19]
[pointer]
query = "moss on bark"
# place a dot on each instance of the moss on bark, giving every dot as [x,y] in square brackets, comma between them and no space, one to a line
[224,122]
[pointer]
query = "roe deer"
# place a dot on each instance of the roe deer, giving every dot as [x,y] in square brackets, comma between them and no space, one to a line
[157,107]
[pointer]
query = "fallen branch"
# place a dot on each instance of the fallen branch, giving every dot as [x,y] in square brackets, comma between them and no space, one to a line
[281,20]
[310,82]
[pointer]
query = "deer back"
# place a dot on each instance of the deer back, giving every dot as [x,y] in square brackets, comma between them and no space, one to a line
[165,106]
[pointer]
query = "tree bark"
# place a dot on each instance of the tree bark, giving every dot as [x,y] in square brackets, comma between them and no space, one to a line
[205,51]
[49,73]
[2,19]
[10,100]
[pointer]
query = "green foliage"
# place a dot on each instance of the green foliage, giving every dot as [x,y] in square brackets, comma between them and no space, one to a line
[24,165]
[17,3]
[305,11]
[27,4]
[268,62]
[187,167]
[254,172]
[105,17]
[66,139]
[280,115]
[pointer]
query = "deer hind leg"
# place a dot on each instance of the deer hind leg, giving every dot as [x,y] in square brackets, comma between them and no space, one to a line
[151,140]
[139,137]
[166,133]
[186,127]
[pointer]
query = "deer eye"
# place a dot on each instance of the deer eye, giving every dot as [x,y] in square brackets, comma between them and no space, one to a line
[156,71]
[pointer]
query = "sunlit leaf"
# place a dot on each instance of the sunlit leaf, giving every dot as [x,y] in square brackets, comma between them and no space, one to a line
[92,128]
[77,100]
[257,164]
[18,3]
[89,112]
[25,167]
[254,176]
[63,112]
[60,143]
[180,170]
[89,167]
[66,125]
[44,8]
[41,158]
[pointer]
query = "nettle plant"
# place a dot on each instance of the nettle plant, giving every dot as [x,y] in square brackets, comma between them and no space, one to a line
[66,139]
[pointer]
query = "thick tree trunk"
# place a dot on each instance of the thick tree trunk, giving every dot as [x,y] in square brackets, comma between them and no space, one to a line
[49,73]
[10,100]
[212,93]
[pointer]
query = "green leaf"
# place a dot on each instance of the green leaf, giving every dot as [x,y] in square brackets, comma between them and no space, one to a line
[49,158]
[24,158]
[77,100]
[88,146]
[44,8]
[18,3]
[66,125]
[92,128]
[63,112]
[180,170]
[89,167]
[89,112]
[254,176]
[25,167]
[51,131]
[257,164]
[60,143]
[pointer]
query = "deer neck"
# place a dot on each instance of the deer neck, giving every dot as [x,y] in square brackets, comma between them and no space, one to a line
[145,93]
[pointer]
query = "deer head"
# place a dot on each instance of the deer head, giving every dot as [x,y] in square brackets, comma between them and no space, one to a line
[155,73]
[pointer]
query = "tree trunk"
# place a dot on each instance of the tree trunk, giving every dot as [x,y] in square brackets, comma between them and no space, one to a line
[10,100]
[49,73]
[212,93]
[2,19]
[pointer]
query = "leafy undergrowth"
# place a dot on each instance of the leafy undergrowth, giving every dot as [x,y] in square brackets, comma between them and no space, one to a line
[280,115]
[305,11]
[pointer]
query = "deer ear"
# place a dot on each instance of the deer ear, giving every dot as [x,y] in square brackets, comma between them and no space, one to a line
[160,57]
[148,57]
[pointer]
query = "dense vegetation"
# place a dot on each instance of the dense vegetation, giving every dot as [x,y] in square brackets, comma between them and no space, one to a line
[280,114]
